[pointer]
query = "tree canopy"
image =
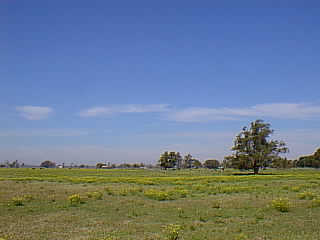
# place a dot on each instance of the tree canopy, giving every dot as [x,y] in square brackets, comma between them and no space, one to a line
[170,160]
[253,150]
[48,164]
[211,164]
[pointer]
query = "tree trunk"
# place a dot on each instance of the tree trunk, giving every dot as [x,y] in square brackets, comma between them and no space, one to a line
[255,168]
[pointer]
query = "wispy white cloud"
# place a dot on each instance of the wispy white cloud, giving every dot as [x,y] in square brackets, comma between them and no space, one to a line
[190,135]
[96,112]
[274,110]
[34,112]
[125,108]
[48,132]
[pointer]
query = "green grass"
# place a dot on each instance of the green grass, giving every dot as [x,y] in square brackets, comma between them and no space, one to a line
[89,204]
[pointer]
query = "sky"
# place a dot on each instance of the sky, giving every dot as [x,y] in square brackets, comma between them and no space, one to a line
[87,81]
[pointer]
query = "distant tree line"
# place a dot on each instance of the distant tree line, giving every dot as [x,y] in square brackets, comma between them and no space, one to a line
[252,150]
[13,164]
[312,161]
[48,164]
[122,165]
[173,160]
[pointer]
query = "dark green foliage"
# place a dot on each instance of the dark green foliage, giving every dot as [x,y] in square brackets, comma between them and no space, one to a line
[48,164]
[18,201]
[252,148]
[211,164]
[310,161]
[283,163]
[170,160]
[100,165]
[187,161]
[196,163]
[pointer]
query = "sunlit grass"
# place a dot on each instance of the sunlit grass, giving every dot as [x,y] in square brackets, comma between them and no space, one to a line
[93,204]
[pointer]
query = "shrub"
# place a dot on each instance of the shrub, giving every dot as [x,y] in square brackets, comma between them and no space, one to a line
[315,203]
[172,232]
[285,187]
[109,191]
[159,195]
[216,204]
[52,198]
[28,197]
[136,191]
[144,182]
[162,195]
[181,193]
[108,238]
[242,236]
[296,189]
[281,204]
[17,201]
[96,195]
[181,213]
[307,195]
[202,219]
[123,192]
[75,199]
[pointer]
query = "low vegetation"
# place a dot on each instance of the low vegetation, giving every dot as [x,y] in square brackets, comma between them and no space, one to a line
[90,204]
[281,204]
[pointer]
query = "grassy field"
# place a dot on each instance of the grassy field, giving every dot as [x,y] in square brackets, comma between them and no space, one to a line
[89,204]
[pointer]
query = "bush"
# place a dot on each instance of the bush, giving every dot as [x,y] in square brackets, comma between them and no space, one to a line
[202,219]
[307,195]
[315,203]
[172,232]
[281,204]
[242,236]
[28,198]
[123,192]
[75,199]
[52,198]
[216,204]
[181,193]
[109,191]
[144,182]
[162,195]
[17,201]
[181,213]
[296,189]
[96,195]
[285,187]
[108,238]
[136,191]
[159,195]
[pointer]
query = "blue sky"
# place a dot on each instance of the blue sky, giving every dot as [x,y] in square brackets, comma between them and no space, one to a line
[122,81]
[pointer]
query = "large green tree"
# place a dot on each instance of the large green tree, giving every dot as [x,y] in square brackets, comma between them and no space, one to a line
[253,150]
[196,163]
[211,164]
[170,160]
[187,161]
[48,164]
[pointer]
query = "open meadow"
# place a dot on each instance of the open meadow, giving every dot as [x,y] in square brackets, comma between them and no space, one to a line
[90,204]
